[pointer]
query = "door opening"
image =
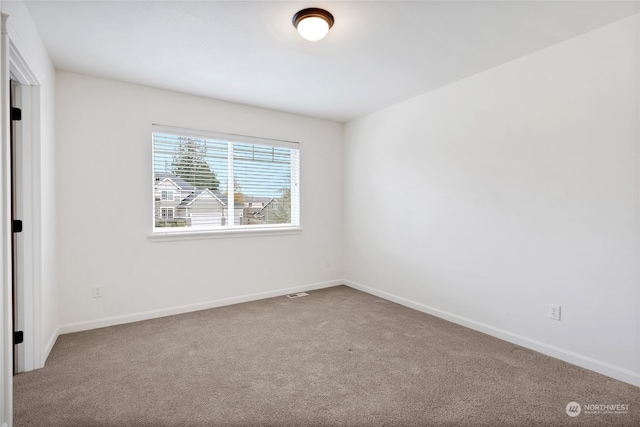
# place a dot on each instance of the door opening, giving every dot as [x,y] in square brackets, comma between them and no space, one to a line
[14,279]
[16,224]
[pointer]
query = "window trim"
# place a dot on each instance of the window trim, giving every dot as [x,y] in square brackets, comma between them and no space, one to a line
[230,137]
[173,234]
[247,231]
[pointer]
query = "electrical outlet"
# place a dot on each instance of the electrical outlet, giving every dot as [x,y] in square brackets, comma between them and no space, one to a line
[97,292]
[328,263]
[554,311]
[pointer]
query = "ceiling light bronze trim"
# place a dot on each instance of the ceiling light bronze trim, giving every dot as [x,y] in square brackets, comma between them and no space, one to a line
[312,12]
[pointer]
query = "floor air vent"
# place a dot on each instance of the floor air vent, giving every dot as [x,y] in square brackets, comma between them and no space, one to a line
[298,295]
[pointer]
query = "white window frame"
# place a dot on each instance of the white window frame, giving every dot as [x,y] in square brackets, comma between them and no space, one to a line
[185,233]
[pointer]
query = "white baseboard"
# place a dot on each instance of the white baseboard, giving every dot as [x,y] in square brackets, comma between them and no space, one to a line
[136,317]
[583,361]
[49,346]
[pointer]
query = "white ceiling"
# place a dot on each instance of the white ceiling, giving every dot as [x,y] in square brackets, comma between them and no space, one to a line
[377,54]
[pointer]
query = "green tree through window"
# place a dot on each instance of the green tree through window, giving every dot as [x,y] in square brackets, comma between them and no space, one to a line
[189,164]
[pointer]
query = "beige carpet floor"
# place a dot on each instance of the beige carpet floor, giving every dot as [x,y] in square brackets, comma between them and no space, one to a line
[338,357]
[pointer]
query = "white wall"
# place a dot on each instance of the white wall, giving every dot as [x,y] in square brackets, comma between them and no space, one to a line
[486,200]
[6,332]
[104,135]
[26,38]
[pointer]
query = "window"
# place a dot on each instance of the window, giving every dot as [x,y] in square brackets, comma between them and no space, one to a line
[204,181]
[166,213]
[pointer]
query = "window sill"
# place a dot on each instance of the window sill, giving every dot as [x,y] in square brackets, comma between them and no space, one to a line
[222,234]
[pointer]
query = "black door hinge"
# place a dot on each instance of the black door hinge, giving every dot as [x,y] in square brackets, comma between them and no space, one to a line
[18,337]
[16,113]
[17,226]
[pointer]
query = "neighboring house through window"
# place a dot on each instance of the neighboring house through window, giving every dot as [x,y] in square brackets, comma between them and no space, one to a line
[216,182]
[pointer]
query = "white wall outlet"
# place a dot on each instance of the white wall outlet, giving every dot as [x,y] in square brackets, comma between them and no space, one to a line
[328,263]
[97,292]
[554,311]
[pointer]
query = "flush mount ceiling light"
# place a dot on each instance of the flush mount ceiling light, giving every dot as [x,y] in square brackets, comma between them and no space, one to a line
[313,23]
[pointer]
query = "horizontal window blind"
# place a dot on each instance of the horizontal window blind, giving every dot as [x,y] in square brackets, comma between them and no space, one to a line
[211,181]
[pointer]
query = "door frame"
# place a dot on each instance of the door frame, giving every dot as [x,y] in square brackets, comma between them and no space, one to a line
[14,66]
[28,193]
